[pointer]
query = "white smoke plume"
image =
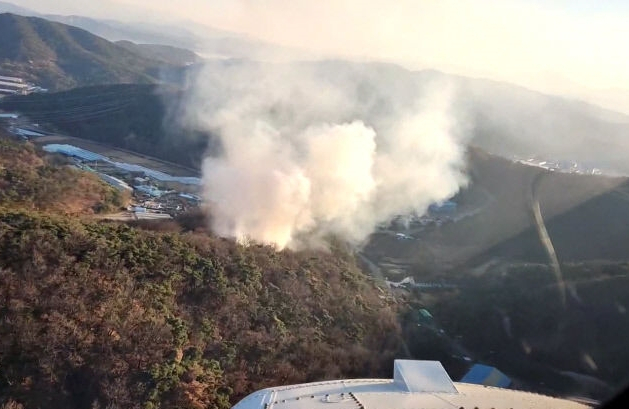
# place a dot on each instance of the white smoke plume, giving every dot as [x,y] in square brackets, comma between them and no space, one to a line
[310,151]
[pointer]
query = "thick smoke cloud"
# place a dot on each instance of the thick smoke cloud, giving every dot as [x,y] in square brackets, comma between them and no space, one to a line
[310,150]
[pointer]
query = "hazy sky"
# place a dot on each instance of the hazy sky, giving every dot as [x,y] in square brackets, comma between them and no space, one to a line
[574,47]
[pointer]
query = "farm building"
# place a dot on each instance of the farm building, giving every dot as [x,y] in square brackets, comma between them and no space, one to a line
[115,182]
[73,151]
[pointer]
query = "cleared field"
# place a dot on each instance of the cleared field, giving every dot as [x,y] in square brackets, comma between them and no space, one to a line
[119,155]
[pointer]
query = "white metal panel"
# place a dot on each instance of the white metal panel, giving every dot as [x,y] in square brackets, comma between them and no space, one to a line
[387,394]
[422,376]
[13,84]
[401,400]
[488,396]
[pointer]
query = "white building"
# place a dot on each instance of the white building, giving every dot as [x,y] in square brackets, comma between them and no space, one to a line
[11,79]
[13,86]
[27,133]
[17,86]
[86,155]
[150,190]
[115,182]
[70,150]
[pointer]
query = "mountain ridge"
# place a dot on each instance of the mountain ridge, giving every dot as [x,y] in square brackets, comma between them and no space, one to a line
[58,56]
[498,117]
[166,54]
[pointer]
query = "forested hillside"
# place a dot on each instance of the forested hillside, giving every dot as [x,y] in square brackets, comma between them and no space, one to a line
[102,314]
[29,181]
[58,56]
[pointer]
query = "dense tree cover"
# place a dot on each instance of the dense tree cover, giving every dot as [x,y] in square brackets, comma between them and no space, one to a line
[514,318]
[107,315]
[30,181]
[103,314]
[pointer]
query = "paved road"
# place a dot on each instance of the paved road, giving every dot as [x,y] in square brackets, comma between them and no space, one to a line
[544,237]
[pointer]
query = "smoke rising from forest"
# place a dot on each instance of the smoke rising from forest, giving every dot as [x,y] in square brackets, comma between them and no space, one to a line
[309,152]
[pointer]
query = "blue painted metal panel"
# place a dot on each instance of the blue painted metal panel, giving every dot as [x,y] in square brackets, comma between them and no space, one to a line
[486,375]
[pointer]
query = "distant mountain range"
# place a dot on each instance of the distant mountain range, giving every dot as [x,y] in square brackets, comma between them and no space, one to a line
[208,41]
[58,56]
[15,9]
[140,32]
[205,40]
[163,53]
[510,120]
[499,117]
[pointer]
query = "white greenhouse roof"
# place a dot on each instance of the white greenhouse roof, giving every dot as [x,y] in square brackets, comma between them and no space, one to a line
[13,84]
[12,79]
[71,150]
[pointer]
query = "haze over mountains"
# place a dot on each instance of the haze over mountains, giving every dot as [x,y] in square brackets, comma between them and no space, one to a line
[199,38]
[527,43]
[504,119]
[321,153]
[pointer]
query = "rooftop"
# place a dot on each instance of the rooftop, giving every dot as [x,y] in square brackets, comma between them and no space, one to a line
[71,150]
[11,79]
[10,84]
